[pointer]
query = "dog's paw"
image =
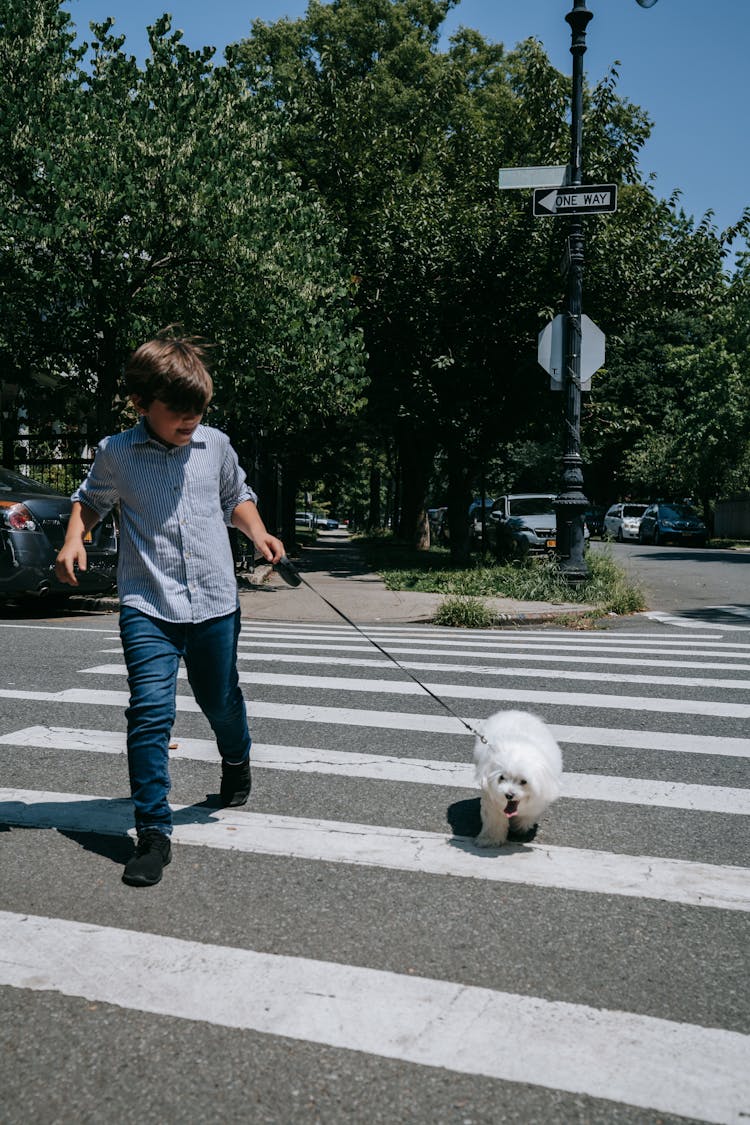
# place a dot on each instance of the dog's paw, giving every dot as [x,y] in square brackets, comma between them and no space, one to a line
[523,835]
[485,841]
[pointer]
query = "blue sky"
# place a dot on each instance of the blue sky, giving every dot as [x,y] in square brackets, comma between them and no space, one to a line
[684,61]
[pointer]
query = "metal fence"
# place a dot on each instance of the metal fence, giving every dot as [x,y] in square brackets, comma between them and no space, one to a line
[58,460]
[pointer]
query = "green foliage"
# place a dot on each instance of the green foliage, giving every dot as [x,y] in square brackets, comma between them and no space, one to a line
[325,207]
[464,613]
[534,579]
[150,195]
[453,279]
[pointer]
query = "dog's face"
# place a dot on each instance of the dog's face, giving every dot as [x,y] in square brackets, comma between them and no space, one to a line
[507,791]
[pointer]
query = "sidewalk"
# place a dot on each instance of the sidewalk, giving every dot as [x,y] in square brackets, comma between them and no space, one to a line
[335,567]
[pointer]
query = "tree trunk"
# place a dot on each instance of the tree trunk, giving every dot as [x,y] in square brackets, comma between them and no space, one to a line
[459,499]
[417,453]
[373,515]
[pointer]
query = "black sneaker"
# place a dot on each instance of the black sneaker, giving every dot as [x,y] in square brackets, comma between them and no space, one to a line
[152,854]
[235,784]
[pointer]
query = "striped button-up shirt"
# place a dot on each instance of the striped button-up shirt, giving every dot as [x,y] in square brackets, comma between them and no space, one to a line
[176,502]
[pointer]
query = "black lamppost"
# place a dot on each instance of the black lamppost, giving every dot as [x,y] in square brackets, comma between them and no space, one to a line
[571,504]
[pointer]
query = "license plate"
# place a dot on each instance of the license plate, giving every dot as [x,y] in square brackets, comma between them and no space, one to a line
[551,542]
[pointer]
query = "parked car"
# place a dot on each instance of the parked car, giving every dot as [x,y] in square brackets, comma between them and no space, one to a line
[438,521]
[594,517]
[525,523]
[676,522]
[304,519]
[326,523]
[475,516]
[33,519]
[622,521]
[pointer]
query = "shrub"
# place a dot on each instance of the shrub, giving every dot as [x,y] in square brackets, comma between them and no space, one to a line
[464,612]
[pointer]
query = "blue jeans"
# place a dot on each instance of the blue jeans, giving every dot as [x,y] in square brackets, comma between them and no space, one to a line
[153,649]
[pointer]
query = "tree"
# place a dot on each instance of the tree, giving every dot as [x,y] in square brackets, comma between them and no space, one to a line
[454,279]
[156,198]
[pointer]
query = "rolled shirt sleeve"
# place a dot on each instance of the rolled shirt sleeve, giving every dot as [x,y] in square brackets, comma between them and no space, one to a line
[99,491]
[233,486]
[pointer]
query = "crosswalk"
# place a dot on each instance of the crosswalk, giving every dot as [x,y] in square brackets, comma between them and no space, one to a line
[597,974]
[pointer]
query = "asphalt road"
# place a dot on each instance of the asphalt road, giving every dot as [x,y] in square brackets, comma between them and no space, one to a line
[685,579]
[339,952]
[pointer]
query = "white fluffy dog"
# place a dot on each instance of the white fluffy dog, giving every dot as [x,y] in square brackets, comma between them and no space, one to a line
[519,769]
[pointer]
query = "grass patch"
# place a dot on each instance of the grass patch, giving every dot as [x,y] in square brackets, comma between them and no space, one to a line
[464,613]
[608,589]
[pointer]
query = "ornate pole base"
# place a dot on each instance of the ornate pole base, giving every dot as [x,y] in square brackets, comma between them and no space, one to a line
[570,507]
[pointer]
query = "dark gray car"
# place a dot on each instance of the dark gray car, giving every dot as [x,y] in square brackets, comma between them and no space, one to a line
[675,523]
[33,519]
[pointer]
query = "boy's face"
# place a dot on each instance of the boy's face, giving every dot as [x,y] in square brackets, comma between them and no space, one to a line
[173,426]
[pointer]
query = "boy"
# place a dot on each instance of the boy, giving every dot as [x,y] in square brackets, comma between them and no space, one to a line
[179,485]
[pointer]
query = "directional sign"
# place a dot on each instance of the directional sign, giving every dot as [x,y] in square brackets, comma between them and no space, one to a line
[551,352]
[580,199]
[551,176]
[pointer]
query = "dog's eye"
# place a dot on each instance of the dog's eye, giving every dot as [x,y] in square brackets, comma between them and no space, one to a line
[523,781]
[501,777]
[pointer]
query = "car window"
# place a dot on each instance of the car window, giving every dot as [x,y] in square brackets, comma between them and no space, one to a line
[679,511]
[17,482]
[613,510]
[633,509]
[532,506]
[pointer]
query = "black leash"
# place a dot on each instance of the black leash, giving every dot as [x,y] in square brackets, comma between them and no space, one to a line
[292,577]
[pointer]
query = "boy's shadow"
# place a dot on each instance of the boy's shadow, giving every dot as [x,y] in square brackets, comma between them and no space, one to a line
[107,821]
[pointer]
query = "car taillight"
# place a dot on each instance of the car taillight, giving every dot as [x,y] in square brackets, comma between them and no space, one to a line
[16,516]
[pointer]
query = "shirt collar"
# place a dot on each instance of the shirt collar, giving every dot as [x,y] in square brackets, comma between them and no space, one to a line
[142,436]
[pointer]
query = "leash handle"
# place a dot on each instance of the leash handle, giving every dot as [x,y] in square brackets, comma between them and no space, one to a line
[288,571]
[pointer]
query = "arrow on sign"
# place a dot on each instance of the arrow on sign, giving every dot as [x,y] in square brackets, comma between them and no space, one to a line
[576,200]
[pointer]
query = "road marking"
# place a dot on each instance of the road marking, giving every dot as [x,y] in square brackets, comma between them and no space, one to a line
[457,636]
[55,628]
[398,849]
[419,771]
[616,737]
[736,610]
[651,1063]
[633,659]
[528,673]
[691,623]
[502,695]
[501,641]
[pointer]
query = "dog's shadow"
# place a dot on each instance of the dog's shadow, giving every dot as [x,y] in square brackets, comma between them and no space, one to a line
[465,820]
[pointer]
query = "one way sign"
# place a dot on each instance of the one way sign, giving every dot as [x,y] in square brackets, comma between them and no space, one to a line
[578,199]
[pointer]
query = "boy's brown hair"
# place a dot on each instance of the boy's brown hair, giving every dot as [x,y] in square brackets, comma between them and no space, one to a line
[173,370]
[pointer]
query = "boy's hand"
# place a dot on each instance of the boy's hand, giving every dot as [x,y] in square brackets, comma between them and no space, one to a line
[271,548]
[70,556]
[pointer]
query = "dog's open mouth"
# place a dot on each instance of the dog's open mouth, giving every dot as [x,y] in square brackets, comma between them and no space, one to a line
[511,808]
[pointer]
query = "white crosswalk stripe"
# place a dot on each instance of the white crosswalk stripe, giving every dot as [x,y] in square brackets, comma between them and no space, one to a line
[463,691]
[308,759]
[652,1063]
[577,869]
[406,721]
[683,752]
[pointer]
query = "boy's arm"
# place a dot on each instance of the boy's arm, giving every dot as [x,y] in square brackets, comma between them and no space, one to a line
[72,553]
[246,518]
